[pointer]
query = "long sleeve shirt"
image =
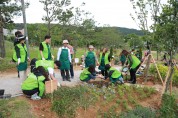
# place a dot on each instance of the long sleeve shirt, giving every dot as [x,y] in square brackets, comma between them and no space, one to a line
[59,53]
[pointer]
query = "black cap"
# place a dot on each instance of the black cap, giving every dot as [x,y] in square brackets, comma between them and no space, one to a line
[21,37]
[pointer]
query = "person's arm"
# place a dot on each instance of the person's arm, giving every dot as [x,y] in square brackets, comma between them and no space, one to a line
[130,60]
[17,50]
[41,51]
[58,54]
[51,73]
[92,76]
[41,86]
[69,56]
[96,59]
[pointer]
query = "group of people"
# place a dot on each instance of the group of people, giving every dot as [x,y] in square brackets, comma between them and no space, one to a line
[42,69]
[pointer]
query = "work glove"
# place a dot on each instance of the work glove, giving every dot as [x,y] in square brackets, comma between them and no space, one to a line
[43,58]
[18,61]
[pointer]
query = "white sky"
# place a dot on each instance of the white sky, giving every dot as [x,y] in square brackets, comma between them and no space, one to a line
[111,12]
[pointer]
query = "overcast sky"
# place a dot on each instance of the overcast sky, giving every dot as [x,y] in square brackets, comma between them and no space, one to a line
[112,12]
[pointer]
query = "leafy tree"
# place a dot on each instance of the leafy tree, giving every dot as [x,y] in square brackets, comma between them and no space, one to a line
[167,29]
[7,10]
[56,11]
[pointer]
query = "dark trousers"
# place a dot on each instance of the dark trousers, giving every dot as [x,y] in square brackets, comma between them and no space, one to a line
[65,74]
[133,74]
[31,92]
[104,73]
[71,70]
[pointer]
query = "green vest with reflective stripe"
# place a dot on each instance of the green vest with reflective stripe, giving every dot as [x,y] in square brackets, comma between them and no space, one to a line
[45,50]
[23,53]
[33,82]
[45,63]
[116,73]
[106,61]
[84,74]
[135,61]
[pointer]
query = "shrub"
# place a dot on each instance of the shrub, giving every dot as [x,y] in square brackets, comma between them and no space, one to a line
[139,112]
[169,108]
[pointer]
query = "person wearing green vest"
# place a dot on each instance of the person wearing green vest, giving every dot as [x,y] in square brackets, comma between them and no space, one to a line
[134,64]
[20,56]
[90,57]
[34,85]
[88,74]
[64,57]
[49,66]
[114,74]
[15,43]
[45,49]
[103,60]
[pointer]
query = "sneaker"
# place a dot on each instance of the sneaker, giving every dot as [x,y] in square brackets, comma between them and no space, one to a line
[69,80]
[72,77]
[35,97]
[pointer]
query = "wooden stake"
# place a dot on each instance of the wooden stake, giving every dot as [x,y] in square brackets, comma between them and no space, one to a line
[164,85]
[157,70]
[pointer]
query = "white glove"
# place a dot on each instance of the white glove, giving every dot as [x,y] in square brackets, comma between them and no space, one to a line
[52,57]
[43,58]
[18,62]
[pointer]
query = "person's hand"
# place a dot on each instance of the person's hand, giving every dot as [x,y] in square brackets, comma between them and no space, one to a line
[18,61]
[28,59]
[43,58]
[53,57]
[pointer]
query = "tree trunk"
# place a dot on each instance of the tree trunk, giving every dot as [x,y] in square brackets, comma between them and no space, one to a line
[2,46]
[171,72]
[157,55]
[147,68]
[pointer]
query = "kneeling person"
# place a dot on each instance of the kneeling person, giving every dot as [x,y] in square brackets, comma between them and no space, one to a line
[34,85]
[88,74]
[114,74]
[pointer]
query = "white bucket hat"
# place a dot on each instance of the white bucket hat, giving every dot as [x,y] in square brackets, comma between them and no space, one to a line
[65,41]
[90,46]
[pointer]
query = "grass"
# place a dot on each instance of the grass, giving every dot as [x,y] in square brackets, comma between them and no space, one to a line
[15,108]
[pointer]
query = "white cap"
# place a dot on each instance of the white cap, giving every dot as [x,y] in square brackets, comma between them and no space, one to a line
[90,46]
[65,41]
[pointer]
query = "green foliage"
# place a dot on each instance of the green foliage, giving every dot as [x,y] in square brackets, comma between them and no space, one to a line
[14,108]
[139,112]
[169,108]
[163,71]
[67,100]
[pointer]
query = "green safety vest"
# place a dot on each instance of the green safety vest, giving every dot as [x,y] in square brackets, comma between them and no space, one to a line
[106,61]
[135,60]
[23,53]
[45,63]
[115,74]
[46,52]
[84,74]
[90,59]
[33,82]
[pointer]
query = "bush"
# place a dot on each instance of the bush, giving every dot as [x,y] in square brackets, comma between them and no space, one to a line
[163,71]
[6,64]
[67,100]
[139,112]
[169,108]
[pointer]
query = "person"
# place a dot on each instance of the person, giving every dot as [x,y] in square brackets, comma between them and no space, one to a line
[113,74]
[122,59]
[34,85]
[49,66]
[134,64]
[71,64]
[90,57]
[164,59]
[64,57]
[15,43]
[20,56]
[83,62]
[103,60]
[45,49]
[88,74]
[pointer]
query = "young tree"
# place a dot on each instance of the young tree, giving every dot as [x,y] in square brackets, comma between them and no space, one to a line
[7,10]
[167,29]
[56,11]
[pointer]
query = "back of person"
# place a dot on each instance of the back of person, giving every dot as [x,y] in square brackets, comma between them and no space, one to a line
[90,59]
[84,74]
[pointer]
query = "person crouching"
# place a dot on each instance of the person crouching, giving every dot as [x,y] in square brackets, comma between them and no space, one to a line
[113,74]
[34,85]
[88,74]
